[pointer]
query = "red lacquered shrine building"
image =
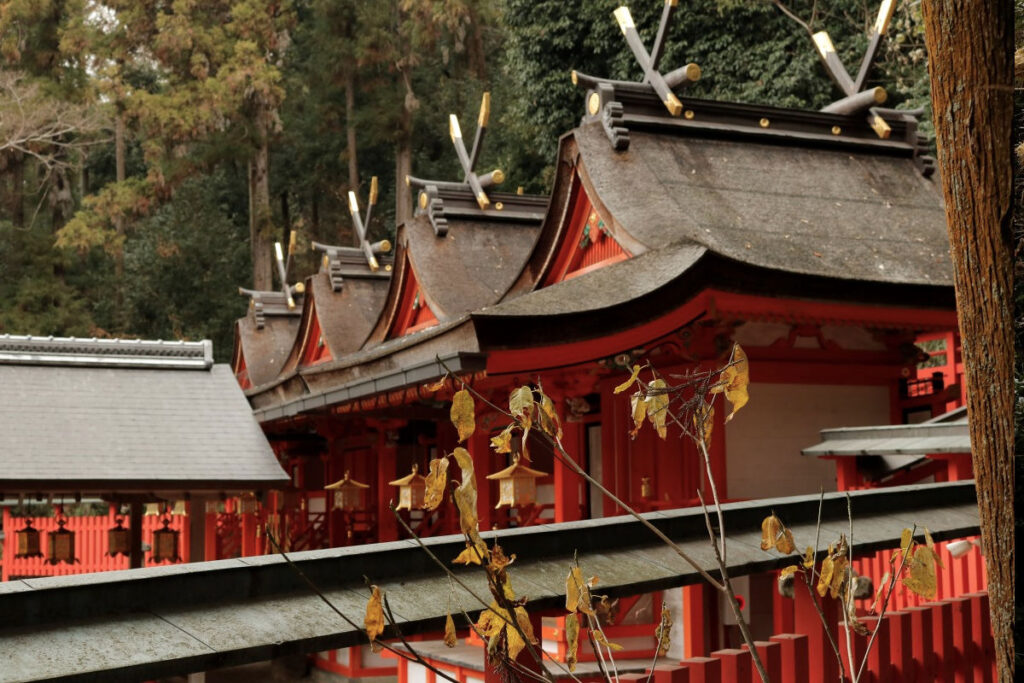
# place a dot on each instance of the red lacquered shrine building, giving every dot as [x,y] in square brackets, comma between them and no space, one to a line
[816,240]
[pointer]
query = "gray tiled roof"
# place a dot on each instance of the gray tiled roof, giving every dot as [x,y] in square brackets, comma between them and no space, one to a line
[947,434]
[85,426]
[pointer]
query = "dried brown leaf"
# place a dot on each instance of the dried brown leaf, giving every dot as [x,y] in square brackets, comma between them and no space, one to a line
[629,382]
[549,420]
[572,637]
[657,407]
[920,577]
[664,631]
[374,621]
[734,380]
[502,443]
[450,637]
[463,414]
[520,404]
[638,407]
[436,481]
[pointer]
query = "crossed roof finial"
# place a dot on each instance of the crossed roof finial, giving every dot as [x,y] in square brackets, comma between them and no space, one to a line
[430,201]
[856,98]
[333,255]
[603,97]
[260,301]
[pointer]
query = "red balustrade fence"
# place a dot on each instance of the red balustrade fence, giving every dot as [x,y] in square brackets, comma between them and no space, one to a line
[91,549]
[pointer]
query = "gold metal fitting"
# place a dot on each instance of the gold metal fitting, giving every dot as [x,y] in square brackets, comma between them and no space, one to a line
[688,114]
[836,130]
[594,104]
[674,106]
[385,246]
[424,199]
[764,123]
[498,176]
[300,287]
[499,206]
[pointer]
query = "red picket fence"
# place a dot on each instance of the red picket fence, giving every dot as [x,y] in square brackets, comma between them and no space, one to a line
[90,544]
[944,640]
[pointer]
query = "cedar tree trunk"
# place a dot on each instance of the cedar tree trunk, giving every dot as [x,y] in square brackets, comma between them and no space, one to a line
[969,50]
[260,229]
[350,138]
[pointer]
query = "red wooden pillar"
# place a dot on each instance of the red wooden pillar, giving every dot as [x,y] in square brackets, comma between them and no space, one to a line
[793,655]
[567,482]
[962,637]
[847,476]
[249,534]
[984,657]
[900,646]
[782,609]
[879,658]
[210,534]
[822,662]
[921,643]
[770,653]
[942,639]
[698,603]
[704,669]
[387,525]
[479,446]
[735,664]
[671,674]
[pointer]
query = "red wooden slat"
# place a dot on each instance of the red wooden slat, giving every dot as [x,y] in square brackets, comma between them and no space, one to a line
[793,656]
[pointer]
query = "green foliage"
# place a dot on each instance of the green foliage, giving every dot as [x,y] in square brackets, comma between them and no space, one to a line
[184,264]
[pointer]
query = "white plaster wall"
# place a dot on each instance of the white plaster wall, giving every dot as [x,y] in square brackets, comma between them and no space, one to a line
[764,439]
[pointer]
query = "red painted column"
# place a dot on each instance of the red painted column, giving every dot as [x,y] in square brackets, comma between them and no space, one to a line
[847,476]
[900,645]
[704,669]
[793,655]
[697,602]
[984,659]
[210,535]
[387,525]
[921,635]
[735,664]
[879,658]
[822,662]
[942,639]
[567,482]
[782,610]
[248,534]
[962,639]
[770,653]
[671,674]
[479,446]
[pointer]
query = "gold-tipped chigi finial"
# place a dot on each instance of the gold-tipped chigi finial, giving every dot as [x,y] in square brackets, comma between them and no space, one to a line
[361,223]
[856,97]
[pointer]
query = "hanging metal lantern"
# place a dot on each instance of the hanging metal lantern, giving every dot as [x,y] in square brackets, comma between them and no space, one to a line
[646,488]
[165,543]
[28,541]
[349,494]
[60,544]
[410,490]
[118,539]
[517,484]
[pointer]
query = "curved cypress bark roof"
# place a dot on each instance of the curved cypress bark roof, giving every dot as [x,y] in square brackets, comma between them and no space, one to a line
[830,212]
[265,348]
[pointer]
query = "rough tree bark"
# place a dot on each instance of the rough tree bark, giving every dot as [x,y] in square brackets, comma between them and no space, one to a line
[260,228]
[350,137]
[970,45]
[403,167]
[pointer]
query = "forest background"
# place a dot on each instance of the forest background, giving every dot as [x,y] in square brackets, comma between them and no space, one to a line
[151,151]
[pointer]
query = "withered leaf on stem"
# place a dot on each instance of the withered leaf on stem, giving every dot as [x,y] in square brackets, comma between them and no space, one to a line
[502,443]
[435,481]
[603,640]
[549,420]
[472,555]
[638,405]
[734,380]
[920,577]
[572,637]
[374,621]
[463,414]
[775,535]
[520,404]
[450,637]
[657,407]
[577,592]
[664,631]
[629,382]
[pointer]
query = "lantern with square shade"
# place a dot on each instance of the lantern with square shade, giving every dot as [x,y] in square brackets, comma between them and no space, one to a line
[28,541]
[118,539]
[165,543]
[61,544]
[349,494]
[410,490]
[517,484]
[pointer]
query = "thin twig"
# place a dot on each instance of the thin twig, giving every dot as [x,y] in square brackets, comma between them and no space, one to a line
[888,596]
[394,627]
